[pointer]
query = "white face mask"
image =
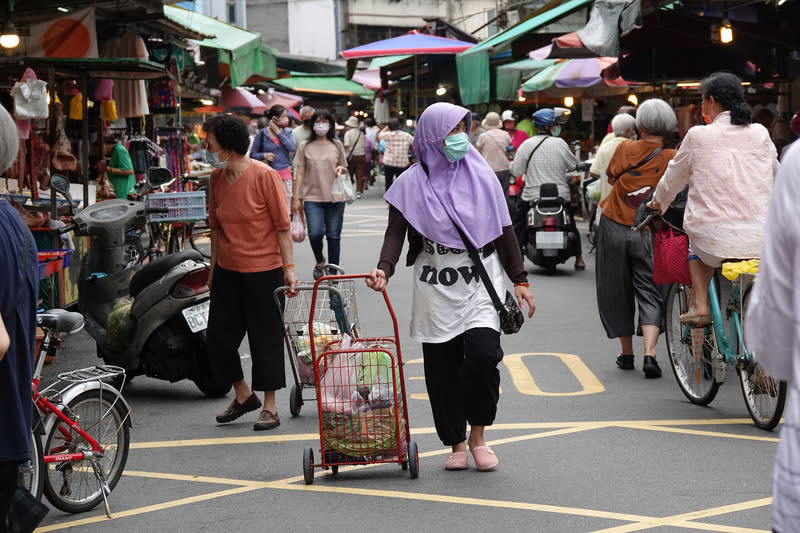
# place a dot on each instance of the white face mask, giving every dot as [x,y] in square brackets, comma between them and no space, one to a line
[321,128]
[212,158]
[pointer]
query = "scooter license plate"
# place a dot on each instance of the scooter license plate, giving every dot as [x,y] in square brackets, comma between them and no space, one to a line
[550,240]
[197,316]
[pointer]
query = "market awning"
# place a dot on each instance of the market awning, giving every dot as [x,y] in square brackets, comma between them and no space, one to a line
[273,97]
[473,64]
[239,99]
[101,68]
[510,76]
[240,49]
[411,43]
[337,85]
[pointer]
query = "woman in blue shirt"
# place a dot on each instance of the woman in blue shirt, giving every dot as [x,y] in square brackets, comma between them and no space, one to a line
[275,145]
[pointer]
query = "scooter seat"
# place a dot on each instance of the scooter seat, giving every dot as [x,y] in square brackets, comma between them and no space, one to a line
[60,321]
[550,202]
[152,271]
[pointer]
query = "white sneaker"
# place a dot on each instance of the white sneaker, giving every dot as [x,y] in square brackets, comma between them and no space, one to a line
[358,196]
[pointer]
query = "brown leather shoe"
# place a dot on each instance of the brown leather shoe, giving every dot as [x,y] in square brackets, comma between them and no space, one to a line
[236,409]
[267,420]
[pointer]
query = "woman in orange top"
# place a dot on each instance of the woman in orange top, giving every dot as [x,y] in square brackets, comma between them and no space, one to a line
[624,270]
[251,256]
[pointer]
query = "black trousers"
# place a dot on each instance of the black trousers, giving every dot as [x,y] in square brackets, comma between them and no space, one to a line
[391,173]
[519,220]
[242,302]
[463,382]
[9,473]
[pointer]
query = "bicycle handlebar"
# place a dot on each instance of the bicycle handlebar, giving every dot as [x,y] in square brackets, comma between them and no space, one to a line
[67,228]
[652,215]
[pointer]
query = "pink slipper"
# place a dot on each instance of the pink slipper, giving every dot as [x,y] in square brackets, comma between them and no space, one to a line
[485,459]
[457,461]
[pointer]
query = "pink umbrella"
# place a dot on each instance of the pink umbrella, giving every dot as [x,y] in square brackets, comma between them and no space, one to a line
[242,100]
[287,100]
[371,79]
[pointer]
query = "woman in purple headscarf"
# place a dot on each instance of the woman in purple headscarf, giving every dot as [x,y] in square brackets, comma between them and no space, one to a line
[453,316]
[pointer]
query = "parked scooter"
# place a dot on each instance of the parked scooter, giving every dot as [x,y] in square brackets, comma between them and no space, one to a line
[162,334]
[551,240]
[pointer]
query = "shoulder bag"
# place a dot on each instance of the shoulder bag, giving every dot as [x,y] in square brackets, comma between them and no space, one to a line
[511,316]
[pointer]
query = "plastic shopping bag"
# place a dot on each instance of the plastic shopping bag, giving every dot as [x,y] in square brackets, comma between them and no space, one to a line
[340,379]
[298,231]
[349,191]
[337,192]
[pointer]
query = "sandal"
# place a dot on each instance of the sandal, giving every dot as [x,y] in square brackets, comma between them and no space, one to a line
[457,461]
[485,459]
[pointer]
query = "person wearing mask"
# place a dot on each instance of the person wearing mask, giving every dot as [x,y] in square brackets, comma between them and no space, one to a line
[510,125]
[120,167]
[729,165]
[19,289]
[624,269]
[772,332]
[251,256]
[395,154]
[319,160]
[493,146]
[544,158]
[456,322]
[274,145]
[477,129]
[354,140]
[624,127]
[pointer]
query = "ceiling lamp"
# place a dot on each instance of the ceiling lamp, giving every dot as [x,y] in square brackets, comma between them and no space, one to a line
[569,101]
[725,31]
[441,90]
[633,99]
[9,37]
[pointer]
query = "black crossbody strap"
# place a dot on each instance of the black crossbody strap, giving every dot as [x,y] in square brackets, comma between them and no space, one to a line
[528,162]
[473,254]
[353,149]
[643,161]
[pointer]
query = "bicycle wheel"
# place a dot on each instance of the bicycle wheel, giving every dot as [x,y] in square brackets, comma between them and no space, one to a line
[199,236]
[764,396]
[31,476]
[73,486]
[695,377]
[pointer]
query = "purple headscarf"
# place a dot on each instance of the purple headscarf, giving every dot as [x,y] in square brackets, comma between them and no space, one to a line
[467,190]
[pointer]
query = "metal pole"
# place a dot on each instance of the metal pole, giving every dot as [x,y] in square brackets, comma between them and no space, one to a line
[85,139]
[416,114]
[51,88]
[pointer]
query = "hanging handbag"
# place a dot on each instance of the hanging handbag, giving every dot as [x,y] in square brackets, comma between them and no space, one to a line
[670,256]
[511,316]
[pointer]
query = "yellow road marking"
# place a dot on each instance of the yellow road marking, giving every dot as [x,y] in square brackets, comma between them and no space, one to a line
[525,383]
[700,433]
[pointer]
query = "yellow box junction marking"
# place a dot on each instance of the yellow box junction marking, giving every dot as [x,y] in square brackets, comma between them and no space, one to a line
[525,384]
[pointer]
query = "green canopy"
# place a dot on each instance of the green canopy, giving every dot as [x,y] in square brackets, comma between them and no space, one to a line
[545,79]
[240,49]
[378,62]
[337,85]
[510,76]
[473,64]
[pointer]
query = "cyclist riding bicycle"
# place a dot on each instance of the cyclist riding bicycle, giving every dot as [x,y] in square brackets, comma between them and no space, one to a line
[730,165]
[544,158]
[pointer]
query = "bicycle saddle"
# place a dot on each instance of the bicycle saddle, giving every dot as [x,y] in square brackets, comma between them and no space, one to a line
[60,321]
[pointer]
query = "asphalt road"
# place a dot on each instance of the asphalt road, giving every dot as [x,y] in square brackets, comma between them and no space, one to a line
[582,445]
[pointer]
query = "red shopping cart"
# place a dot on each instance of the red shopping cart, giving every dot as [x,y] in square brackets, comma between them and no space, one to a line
[359,382]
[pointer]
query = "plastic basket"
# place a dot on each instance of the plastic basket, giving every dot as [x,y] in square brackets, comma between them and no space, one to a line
[183,206]
[64,254]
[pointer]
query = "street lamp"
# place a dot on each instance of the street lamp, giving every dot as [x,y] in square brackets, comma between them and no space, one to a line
[9,37]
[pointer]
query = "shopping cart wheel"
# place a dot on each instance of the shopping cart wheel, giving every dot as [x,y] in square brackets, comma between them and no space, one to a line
[413,460]
[295,400]
[308,465]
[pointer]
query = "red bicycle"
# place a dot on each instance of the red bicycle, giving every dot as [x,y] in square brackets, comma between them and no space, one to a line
[86,427]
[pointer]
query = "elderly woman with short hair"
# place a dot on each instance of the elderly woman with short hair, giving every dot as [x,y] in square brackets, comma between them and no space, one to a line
[624,270]
[624,126]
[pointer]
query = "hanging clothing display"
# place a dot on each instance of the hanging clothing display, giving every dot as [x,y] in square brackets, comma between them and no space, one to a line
[176,153]
[30,97]
[162,96]
[381,110]
[144,153]
[130,95]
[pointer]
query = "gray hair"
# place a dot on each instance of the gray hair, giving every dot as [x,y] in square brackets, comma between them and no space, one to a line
[656,117]
[9,140]
[306,110]
[622,123]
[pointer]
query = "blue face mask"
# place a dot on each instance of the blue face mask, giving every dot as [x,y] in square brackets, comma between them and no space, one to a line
[456,146]
[212,158]
[556,131]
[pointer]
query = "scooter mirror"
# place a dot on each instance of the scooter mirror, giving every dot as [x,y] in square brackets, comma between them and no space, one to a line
[157,176]
[60,184]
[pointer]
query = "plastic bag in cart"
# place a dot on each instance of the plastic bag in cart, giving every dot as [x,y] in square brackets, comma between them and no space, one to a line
[340,377]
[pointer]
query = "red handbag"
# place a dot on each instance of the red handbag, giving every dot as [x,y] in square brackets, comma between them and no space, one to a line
[670,256]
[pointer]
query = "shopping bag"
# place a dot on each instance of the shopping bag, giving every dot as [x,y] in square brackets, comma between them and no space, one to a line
[349,191]
[670,256]
[338,192]
[30,99]
[340,378]
[298,231]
